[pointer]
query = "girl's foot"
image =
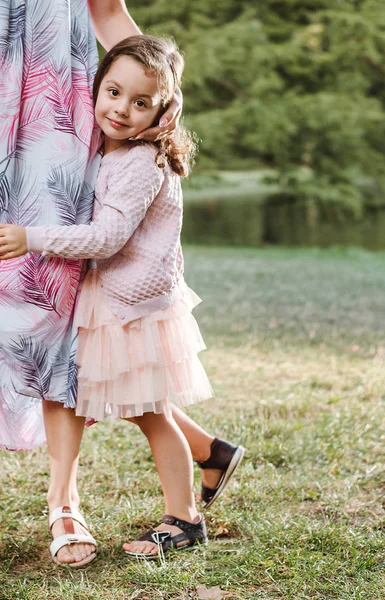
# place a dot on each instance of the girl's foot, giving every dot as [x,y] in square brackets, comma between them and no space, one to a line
[72,544]
[218,469]
[171,533]
[211,478]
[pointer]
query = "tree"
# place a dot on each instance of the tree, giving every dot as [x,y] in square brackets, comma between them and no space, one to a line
[286,83]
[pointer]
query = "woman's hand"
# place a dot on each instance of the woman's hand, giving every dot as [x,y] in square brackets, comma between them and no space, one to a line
[168,122]
[13,241]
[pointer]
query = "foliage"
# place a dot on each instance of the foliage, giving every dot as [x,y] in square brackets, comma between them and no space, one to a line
[283,83]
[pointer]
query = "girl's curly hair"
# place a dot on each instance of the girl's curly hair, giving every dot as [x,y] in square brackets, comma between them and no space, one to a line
[161,57]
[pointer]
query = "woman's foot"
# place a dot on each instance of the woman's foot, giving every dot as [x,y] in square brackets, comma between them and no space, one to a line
[182,535]
[69,525]
[218,469]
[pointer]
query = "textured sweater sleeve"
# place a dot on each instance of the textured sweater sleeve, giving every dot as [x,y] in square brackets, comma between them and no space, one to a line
[133,185]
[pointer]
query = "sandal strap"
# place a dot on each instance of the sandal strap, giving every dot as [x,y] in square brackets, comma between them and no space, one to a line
[184,525]
[183,537]
[155,536]
[208,493]
[65,512]
[220,457]
[68,539]
[191,532]
[164,538]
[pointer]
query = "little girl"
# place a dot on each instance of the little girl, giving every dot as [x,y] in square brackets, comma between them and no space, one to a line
[138,341]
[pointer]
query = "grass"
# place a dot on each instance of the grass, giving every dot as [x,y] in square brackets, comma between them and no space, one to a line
[296,355]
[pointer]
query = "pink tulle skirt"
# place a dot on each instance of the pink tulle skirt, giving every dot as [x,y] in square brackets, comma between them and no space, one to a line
[143,366]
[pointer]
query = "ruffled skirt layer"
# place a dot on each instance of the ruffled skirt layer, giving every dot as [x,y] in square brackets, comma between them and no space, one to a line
[143,366]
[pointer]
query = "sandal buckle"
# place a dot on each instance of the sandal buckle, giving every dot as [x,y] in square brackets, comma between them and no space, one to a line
[160,536]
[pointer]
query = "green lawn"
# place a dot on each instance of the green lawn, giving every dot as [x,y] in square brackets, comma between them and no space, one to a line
[296,354]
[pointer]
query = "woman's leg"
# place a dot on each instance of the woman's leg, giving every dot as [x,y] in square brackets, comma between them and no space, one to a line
[173,462]
[64,432]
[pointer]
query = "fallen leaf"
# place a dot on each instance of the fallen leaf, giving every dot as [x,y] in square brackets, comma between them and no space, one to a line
[222,530]
[214,593]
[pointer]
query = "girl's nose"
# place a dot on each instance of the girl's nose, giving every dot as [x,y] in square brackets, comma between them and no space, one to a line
[122,109]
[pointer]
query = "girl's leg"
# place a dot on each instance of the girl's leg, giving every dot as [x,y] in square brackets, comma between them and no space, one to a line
[174,465]
[64,432]
[200,445]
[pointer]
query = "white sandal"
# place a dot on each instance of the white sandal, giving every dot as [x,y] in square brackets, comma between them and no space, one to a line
[70,537]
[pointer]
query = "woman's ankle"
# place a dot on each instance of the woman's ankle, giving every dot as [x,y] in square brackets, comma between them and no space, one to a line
[57,498]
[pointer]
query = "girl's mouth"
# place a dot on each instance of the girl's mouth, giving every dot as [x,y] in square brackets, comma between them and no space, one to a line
[116,124]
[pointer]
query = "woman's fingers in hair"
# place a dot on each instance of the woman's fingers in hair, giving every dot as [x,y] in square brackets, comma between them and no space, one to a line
[167,123]
[171,117]
[164,134]
[176,105]
[154,134]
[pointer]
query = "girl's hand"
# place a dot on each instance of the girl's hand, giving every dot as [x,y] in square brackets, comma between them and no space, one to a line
[13,241]
[168,122]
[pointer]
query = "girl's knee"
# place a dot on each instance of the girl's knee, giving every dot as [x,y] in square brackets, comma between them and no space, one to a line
[149,420]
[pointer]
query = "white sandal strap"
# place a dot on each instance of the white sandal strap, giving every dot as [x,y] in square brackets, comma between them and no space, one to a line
[68,539]
[63,512]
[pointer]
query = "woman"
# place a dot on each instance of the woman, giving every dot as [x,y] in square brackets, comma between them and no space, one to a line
[48,164]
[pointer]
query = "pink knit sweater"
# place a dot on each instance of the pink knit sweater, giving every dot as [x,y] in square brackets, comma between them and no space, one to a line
[135,234]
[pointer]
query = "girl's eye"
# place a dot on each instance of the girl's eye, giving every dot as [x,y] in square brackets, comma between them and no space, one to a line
[114,92]
[140,104]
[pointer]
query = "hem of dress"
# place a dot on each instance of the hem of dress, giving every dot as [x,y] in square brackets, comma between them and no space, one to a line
[27,396]
[35,400]
[164,405]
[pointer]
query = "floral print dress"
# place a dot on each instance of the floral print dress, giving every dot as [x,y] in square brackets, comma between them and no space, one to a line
[48,58]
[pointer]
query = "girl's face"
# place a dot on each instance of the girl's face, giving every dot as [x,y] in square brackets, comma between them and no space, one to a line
[128,102]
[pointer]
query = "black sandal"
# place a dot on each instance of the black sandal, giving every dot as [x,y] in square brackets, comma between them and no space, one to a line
[193,534]
[224,457]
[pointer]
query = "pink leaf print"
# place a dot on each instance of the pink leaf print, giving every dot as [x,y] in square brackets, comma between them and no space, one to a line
[60,98]
[38,49]
[50,283]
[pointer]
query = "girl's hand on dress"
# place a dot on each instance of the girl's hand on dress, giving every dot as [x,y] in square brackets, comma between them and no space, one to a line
[167,123]
[13,241]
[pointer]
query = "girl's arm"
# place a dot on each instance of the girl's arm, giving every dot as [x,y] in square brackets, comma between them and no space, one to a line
[112,22]
[136,183]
